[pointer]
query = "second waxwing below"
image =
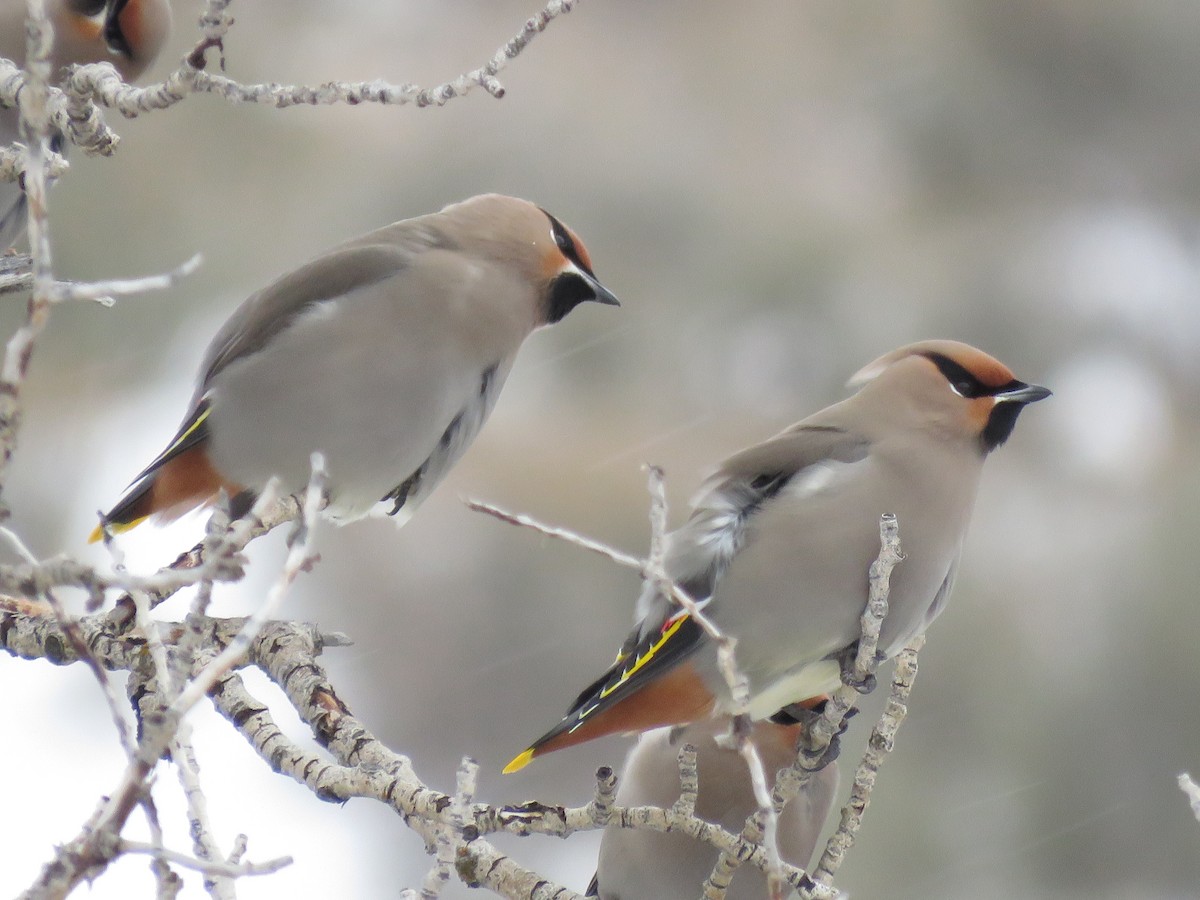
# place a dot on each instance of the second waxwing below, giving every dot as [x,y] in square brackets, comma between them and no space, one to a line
[649,865]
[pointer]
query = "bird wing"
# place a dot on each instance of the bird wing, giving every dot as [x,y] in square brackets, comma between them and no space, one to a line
[943,594]
[252,326]
[274,308]
[701,550]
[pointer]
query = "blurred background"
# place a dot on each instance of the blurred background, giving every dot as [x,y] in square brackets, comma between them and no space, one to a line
[778,192]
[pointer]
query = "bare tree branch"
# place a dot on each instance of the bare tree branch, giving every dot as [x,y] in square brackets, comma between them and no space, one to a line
[75,110]
[362,766]
[99,842]
[35,128]
[208,867]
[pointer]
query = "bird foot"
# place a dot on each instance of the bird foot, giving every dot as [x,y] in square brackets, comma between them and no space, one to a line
[816,760]
[846,661]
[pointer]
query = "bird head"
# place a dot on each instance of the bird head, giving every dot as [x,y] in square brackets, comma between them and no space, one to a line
[958,387]
[543,250]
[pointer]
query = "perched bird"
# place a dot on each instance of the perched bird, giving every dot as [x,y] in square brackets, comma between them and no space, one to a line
[386,354]
[648,865]
[127,33]
[779,541]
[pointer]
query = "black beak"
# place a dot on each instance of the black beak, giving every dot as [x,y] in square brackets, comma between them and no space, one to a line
[1023,393]
[600,293]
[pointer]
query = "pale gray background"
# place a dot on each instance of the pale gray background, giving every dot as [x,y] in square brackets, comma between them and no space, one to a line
[779,192]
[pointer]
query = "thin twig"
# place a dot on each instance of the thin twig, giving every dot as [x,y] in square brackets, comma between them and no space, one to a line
[167,883]
[70,628]
[204,841]
[563,534]
[106,292]
[218,868]
[879,745]
[35,127]
[689,781]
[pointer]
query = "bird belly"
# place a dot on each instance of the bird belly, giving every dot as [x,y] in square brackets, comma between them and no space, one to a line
[808,681]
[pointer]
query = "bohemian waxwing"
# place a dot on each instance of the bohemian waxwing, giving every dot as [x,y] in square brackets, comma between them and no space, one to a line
[648,865]
[386,354]
[780,539]
[127,33]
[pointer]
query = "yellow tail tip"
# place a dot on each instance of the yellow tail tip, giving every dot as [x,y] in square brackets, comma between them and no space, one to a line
[519,763]
[114,528]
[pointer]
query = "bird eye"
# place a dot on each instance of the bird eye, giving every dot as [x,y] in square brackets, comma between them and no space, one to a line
[963,388]
[567,246]
[563,240]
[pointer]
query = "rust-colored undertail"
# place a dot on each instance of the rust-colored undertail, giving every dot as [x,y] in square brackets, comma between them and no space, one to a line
[676,698]
[179,484]
[180,478]
[652,683]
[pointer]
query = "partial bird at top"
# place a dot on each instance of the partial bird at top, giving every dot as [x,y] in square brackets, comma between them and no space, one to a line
[386,354]
[779,541]
[127,33]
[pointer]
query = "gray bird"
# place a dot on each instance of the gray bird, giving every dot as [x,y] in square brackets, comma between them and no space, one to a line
[386,354]
[780,539]
[648,865]
[127,33]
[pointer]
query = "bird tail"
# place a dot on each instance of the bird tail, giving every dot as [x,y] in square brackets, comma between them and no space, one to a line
[180,478]
[183,482]
[652,683]
[133,509]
